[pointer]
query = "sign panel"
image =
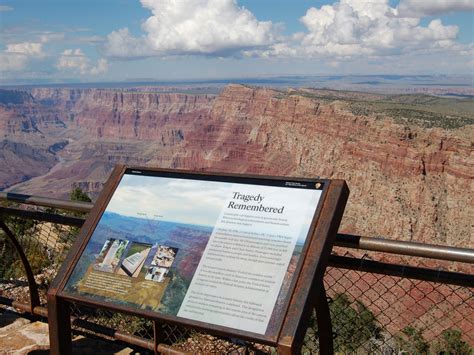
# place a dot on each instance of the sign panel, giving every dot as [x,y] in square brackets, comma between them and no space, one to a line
[214,249]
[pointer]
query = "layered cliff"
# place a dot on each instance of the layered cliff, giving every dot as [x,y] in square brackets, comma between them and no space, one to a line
[102,128]
[407,181]
[108,114]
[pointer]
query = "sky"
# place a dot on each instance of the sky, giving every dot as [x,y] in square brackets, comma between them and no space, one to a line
[130,40]
[201,202]
[173,200]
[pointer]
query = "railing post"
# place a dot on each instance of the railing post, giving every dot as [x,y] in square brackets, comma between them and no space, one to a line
[157,336]
[323,317]
[59,325]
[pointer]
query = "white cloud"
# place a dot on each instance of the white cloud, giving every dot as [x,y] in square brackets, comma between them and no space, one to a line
[17,55]
[206,27]
[31,40]
[93,39]
[47,36]
[22,56]
[121,44]
[25,48]
[101,67]
[76,61]
[367,28]
[12,62]
[344,31]
[419,8]
[4,8]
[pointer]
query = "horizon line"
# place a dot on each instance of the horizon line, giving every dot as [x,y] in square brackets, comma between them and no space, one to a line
[263,78]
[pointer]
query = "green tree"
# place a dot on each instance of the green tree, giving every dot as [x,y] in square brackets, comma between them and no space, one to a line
[354,324]
[411,341]
[451,343]
[78,195]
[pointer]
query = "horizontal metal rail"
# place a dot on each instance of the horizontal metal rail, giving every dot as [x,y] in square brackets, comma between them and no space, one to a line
[47,202]
[43,216]
[403,271]
[399,247]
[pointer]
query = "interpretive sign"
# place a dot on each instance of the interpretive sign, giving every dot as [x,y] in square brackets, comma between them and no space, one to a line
[218,252]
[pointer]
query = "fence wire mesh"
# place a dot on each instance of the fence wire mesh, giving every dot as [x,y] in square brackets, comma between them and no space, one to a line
[370,312]
[377,313]
[45,245]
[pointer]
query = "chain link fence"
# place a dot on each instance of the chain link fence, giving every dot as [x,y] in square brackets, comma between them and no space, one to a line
[45,245]
[383,314]
[371,312]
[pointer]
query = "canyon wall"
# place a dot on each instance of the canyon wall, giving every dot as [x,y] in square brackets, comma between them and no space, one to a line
[407,182]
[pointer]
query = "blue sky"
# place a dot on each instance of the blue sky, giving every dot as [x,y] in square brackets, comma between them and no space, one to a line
[115,40]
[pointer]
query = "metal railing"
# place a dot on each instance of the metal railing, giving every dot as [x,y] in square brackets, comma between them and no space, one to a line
[385,296]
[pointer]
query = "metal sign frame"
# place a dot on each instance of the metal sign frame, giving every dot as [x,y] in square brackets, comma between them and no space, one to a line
[306,289]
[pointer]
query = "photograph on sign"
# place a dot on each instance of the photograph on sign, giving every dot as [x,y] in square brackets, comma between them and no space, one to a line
[218,252]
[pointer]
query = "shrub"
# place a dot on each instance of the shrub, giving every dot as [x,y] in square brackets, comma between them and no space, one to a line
[354,325]
[451,343]
[411,341]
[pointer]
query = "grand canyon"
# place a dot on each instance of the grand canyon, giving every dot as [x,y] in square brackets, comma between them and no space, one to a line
[407,158]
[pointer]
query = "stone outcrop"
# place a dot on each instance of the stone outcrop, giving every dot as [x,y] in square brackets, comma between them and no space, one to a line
[19,336]
[407,182]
